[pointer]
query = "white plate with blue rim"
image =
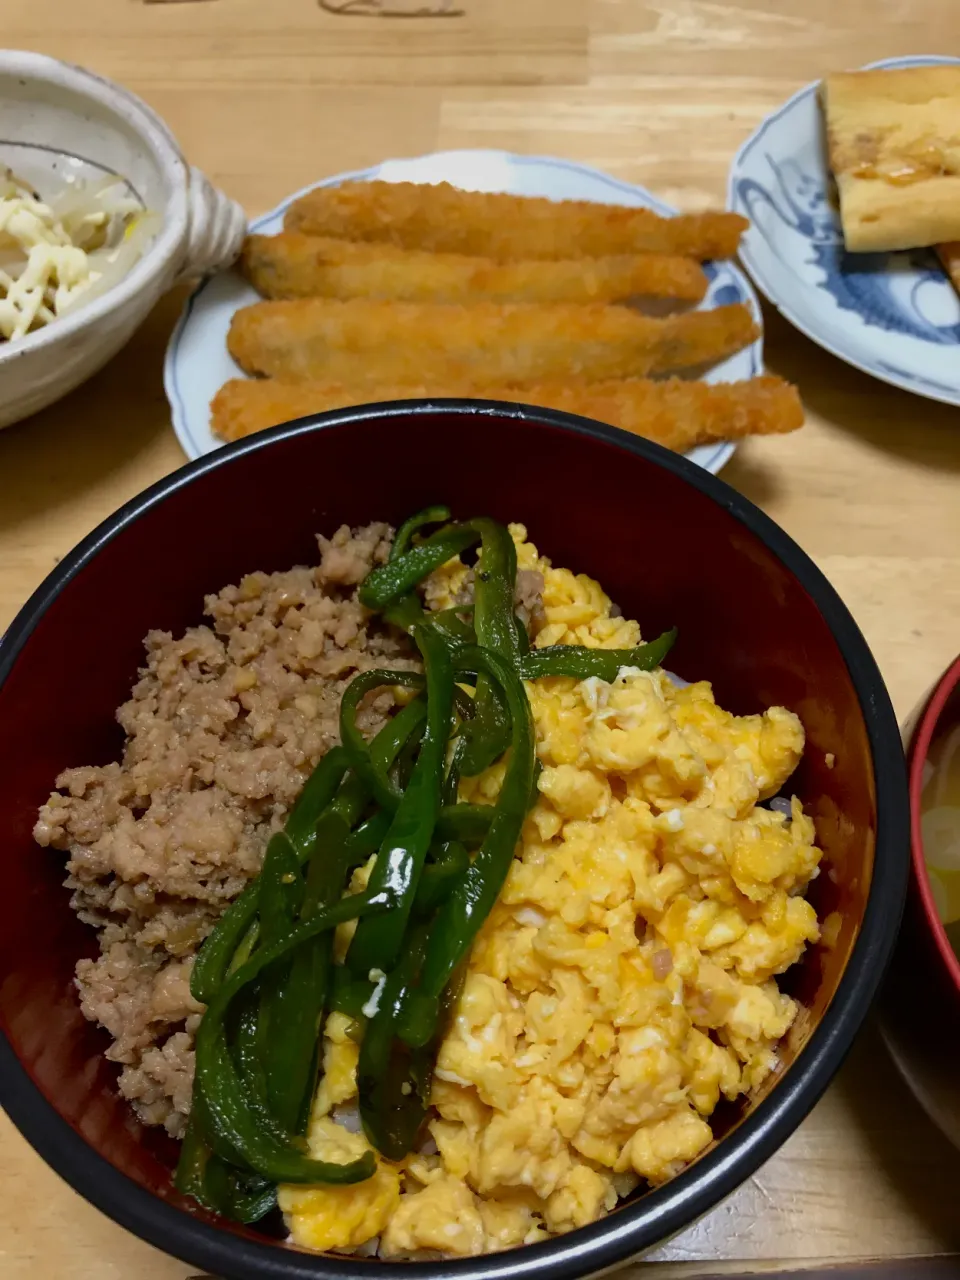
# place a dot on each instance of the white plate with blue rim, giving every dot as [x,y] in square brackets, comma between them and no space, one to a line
[197,362]
[893,315]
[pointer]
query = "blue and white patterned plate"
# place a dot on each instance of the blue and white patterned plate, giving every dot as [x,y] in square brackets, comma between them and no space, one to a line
[197,363]
[893,315]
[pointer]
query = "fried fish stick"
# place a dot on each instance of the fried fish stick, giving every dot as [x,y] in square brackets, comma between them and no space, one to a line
[443,219]
[292,265]
[361,342]
[674,413]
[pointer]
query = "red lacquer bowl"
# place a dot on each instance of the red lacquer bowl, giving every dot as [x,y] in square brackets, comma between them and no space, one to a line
[920,1008]
[671,544]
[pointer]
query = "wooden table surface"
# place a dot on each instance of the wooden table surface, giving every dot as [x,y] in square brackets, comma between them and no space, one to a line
[267,97]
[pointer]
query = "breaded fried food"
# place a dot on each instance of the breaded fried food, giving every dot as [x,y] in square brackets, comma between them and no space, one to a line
[486,344]
[676,414]
[443,219]
[293,265]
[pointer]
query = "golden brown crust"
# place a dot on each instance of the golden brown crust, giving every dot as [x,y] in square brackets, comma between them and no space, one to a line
[443,219]
[894,147]
[294,265]
[362,342]
[677,414]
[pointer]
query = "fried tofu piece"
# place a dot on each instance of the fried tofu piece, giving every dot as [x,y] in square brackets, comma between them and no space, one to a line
[893,138]
[443,219]
[362,342]
[674,413]
[293,265]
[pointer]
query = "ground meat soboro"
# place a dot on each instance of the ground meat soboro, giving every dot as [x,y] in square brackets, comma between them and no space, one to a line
[223,727]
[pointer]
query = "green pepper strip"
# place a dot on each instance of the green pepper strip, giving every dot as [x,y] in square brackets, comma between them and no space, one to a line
[487,734]
[523,640]
[218,1186]
[494,586]
[375,779]
[401,771]
[281,889]
[376,944]
[232,929]
[246,1048]
[292,1000]
[255,1030]
[575,660]
[349,994]
[367,838]
[407,612]
[468,823]
[452,625]
[237,930]
[451,783]
[296,1004]
[392,738]
[246,1196]
[439,876]
[246,947]
[244,1052]
[226,1111]
[535,789]
[317,793]
[463,702]
[393,1083]
[190,1177]
[281,898]
[413,524]
[468,905]
[398,577]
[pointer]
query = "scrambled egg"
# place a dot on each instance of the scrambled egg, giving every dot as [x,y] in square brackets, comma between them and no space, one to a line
[626,979]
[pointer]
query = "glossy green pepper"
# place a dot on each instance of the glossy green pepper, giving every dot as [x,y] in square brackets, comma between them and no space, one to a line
[376,944]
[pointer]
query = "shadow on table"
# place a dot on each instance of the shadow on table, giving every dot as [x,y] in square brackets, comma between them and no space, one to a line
[923,431]
[921,1165]
[98,429]
[756,481]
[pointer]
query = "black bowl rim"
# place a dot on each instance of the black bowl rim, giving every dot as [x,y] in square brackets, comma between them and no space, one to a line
[663,1211]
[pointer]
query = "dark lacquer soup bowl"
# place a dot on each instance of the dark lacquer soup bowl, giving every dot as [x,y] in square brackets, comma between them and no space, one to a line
[670,543]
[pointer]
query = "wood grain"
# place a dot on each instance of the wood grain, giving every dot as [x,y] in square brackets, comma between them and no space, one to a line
[242,43]
[268,97]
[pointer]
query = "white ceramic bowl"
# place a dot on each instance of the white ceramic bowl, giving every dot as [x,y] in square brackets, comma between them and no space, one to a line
[60,122]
